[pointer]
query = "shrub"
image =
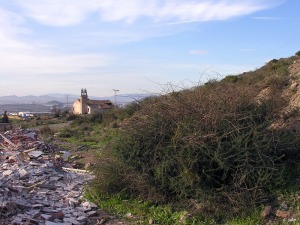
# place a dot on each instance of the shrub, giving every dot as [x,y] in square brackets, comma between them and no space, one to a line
[297,53]
[278,82]
[274,61]
[66,133]
[109,117]
[71,117]
[214,139]
[96,118]
[80,120]
[114,176]
[231,79]
[280,67]
[46,131]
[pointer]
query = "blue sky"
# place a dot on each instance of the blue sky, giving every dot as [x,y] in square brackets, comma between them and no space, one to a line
[138,46]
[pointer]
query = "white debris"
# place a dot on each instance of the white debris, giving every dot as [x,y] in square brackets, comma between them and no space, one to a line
[35,154]
[7,172]
[22,172]
[36,187]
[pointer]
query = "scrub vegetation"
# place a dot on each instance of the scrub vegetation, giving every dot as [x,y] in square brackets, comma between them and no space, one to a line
[214,154]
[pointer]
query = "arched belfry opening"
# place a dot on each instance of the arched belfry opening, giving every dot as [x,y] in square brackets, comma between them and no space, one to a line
[84,92]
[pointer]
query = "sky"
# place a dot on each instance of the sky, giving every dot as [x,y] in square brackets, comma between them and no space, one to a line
[138,46]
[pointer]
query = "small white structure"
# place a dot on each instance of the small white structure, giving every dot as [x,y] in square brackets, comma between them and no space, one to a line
[86,106]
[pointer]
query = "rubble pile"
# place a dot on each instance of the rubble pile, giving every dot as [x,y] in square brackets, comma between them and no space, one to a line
[38,185]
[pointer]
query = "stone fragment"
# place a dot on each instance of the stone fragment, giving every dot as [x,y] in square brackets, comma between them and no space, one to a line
[42,202]
[81,209]
[283,214]
[22,173]
[48,210]
[72,220]
[22,202]
[34,213]
[128,216]
[58,205]
[35,154]
[266,212]
[34,164]
[57,215]
[92,213]
[73,202]
[54,223]
[31,135]
[82,218]
[284,206]
[46,216]
[7,172]
[65,155]
[294,85]
[55,178]
[89,205]
[30,221]
[102,221]
[17,220]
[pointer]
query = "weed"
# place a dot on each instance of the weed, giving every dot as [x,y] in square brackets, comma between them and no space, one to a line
[46,132]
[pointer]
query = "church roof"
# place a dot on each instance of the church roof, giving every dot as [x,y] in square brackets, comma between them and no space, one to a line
[104,104]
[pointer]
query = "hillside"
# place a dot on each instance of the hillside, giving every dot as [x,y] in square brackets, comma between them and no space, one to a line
[225,146]
[226,152]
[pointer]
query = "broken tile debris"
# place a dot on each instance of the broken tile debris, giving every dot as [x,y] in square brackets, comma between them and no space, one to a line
[38,185]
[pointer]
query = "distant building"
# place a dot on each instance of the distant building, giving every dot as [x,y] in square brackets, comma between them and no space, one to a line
[84,105]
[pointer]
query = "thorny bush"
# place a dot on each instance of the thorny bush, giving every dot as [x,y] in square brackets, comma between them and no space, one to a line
[214,140]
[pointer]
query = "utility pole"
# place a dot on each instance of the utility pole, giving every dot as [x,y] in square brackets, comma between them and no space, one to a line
[115,90]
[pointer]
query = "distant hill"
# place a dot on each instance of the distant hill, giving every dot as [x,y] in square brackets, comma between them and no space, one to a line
[54,102]
[14,108]
[63,98]
[31,99]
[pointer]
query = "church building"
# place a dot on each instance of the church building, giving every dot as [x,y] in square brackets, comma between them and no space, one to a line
[84,105]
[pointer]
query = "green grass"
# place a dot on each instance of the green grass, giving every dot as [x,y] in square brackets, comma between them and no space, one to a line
[142,212]
[93,136]
[250,220]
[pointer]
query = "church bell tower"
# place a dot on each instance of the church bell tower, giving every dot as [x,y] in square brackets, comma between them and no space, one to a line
[83,100]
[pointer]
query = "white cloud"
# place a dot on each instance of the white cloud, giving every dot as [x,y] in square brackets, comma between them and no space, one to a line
[37,63]
[198,52]
[70,12]
[28,54]
[24,57]
[10,26]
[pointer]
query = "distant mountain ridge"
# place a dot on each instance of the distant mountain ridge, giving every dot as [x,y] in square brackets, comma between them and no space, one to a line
[64,98]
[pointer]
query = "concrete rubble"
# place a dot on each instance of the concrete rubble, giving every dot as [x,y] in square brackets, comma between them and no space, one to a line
[38,185]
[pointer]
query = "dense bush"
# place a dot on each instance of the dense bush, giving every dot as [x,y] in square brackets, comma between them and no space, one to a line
[275,70]
[231,79]
[215,139]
